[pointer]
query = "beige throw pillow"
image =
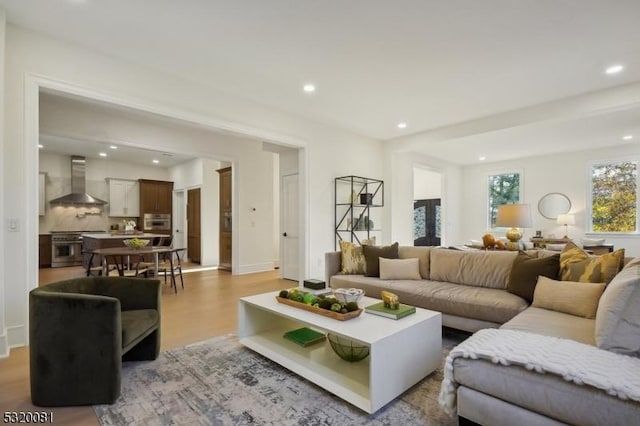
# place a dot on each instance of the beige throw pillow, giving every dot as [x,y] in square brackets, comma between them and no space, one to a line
[575,298]
[353,261]
[399,269]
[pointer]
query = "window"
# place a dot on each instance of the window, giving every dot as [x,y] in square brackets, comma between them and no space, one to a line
[614,197]
[503,189]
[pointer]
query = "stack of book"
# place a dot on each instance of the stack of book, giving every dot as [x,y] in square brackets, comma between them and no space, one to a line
[380,309]
[304,336]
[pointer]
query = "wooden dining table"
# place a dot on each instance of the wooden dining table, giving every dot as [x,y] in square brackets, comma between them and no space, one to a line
[156,251]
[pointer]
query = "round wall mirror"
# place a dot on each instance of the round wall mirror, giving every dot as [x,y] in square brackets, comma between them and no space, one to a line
[553,204]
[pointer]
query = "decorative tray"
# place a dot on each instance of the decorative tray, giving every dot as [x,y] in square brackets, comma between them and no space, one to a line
[320,311]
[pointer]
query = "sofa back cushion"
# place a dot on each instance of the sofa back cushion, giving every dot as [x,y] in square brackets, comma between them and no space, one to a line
[488,269]
[422,253]
[618,316]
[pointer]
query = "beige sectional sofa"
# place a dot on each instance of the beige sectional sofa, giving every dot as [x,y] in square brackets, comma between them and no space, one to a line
[470,290]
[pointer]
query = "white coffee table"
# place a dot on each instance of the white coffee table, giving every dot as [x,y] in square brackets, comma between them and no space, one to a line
[402,352]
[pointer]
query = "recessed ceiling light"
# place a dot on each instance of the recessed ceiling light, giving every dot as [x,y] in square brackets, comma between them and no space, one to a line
[402,125]
[155,161]
[102,154]
[614,69]
[309,88]
[482,158]
[113,147]
[40,146]
[627,137]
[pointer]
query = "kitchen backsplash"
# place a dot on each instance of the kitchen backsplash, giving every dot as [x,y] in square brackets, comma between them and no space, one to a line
[76,218]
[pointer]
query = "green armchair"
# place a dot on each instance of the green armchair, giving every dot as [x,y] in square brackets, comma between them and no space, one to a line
[81,330]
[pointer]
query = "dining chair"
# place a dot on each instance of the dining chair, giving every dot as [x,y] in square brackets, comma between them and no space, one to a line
[95,270]
[158,242]
[128,265]
[171,265]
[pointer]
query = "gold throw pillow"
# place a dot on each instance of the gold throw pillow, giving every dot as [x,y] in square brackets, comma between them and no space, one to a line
[353,261]
[577,265]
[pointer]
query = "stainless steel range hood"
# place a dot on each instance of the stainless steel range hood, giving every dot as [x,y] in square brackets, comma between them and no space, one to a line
[78,186]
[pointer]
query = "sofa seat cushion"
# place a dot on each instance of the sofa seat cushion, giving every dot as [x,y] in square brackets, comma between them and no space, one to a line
[556,324]
[136,325]
[486,304]
[547,394]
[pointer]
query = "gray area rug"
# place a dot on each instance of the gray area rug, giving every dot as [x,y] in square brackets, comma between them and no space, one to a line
[220,382]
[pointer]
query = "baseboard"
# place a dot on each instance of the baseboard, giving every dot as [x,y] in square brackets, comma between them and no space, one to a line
[4,345]
[256,267]
[16,336]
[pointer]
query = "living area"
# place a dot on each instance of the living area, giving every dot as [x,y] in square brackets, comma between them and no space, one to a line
[347,111]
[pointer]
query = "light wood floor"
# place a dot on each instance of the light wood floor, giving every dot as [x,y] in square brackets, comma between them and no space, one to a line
[206,307]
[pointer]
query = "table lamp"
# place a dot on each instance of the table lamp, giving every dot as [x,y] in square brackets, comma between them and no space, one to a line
[566,220]
[514,216]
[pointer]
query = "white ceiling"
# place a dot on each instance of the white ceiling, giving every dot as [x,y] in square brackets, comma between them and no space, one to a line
[430,63]
[100,118]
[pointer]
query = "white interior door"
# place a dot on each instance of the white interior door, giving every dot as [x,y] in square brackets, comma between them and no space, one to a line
[178,219]
[290,223]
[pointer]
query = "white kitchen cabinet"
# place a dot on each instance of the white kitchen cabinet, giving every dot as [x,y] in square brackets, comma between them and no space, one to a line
[124,198]
[42,200]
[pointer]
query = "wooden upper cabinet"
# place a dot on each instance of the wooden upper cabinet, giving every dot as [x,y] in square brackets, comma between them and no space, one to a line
[156,196]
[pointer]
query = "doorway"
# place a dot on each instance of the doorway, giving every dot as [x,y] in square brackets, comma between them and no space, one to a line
[427,207]
[193,225]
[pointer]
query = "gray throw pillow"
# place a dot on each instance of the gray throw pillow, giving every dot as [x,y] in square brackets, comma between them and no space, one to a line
[526,270]
[372,254]
[618,316]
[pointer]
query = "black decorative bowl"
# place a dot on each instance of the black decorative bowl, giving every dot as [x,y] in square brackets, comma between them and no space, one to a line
[347,349]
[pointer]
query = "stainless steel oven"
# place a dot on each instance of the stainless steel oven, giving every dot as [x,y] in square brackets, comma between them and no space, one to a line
[157,222]
[66,249]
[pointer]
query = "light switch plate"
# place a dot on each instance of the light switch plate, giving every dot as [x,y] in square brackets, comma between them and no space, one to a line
[13,224]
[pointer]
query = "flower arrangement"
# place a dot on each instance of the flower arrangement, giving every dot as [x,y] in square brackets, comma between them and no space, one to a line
[129,225]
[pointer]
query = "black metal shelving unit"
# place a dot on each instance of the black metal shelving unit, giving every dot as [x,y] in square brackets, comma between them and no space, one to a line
[352,218]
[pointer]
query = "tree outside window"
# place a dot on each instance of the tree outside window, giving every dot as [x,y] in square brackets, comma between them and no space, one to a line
[614,197]
[503,189]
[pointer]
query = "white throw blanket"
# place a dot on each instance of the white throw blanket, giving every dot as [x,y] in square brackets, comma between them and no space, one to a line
[618,375]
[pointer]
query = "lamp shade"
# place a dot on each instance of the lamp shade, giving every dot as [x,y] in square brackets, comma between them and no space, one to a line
[566,219]
[514,215]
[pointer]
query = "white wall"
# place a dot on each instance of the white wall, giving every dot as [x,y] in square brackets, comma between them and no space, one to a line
[565,173]
[327,152]
[427,184]
[202,173]
[4,341]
